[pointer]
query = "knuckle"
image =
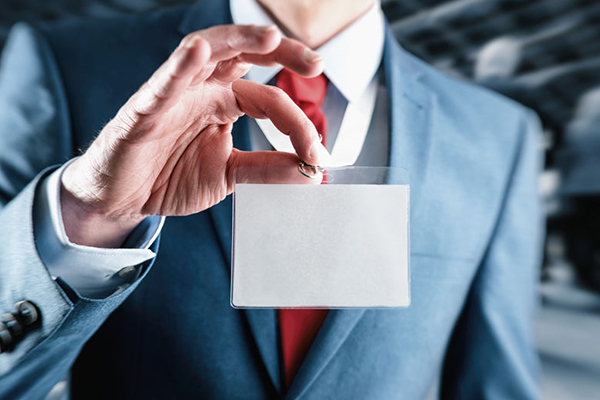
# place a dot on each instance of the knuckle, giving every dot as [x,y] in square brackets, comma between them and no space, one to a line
[199,41]
[202,42]
[128,117]
[304,125]
[277,94]
[188,38]
[143,103]
[127,123]
[160,91]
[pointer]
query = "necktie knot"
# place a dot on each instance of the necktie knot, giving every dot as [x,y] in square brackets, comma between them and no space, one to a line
[308,94]
[301,89]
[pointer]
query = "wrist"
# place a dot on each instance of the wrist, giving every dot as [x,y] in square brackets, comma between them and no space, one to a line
[88,221]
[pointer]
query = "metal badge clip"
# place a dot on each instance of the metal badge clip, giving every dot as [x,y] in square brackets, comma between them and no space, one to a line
[310,171]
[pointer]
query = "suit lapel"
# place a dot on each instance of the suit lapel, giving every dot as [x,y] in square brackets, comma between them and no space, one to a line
[410,116]
[409,104]
[262,323]
[336,328]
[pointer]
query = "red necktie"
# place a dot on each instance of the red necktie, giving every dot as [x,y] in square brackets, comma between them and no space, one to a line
[299,327]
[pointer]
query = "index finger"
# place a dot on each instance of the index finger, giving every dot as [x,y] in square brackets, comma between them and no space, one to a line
[292,54]
[229,41]
[263,45]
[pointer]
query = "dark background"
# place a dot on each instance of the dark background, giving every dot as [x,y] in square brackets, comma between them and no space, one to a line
[542,53]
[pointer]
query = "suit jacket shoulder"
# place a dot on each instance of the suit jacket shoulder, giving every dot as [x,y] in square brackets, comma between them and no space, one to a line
[490,114]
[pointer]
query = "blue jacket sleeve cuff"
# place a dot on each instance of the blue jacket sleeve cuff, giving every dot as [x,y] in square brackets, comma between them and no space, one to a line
[93,272]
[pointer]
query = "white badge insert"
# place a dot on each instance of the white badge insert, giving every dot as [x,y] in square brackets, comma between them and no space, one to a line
[340,245]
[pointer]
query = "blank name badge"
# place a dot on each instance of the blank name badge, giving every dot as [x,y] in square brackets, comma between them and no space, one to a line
[343,244]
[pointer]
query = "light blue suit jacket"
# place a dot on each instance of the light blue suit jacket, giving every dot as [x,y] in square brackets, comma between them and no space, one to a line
[475,236]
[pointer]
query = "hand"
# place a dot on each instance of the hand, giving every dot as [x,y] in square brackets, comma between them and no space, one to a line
[169,150]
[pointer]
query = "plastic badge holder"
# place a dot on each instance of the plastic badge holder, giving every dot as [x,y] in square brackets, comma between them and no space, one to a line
[342,244]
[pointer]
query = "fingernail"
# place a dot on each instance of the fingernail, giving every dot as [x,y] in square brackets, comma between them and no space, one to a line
[311,57]
[191,43]
[319,152]
[264,29]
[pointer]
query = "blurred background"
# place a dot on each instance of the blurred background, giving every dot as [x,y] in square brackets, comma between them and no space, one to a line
[542,53]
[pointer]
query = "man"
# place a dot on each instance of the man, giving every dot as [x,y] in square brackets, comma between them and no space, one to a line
[79,241]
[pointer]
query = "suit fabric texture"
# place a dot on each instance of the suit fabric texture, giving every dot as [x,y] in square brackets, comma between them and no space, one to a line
[475,243]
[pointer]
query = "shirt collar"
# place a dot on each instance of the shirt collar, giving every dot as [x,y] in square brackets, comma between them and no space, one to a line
[352,57]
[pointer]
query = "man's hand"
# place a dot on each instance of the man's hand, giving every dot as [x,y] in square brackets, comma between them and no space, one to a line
[169,150]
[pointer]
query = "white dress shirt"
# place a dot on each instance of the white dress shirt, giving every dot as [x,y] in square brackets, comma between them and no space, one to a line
[352,59]
[352,63]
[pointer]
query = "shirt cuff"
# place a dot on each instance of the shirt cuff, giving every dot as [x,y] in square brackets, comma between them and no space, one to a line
[93,272]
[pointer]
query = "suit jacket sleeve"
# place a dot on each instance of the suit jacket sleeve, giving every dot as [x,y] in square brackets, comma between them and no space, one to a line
[35,134]
[491,354]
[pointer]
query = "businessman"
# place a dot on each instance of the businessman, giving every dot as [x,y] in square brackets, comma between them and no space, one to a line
[167,101]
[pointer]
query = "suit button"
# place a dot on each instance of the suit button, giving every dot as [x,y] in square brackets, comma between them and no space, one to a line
[28,313]
[12,324]
[6,340]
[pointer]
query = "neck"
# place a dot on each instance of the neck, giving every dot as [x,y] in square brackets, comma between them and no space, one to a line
[314,22]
